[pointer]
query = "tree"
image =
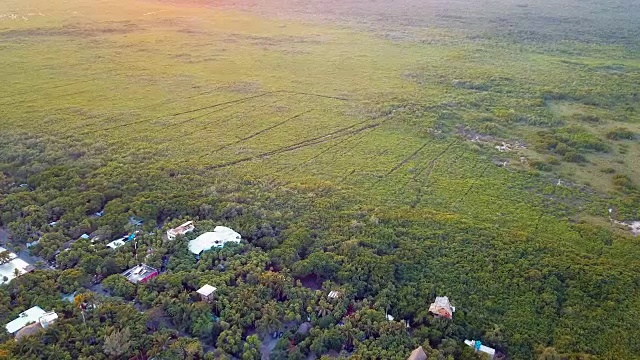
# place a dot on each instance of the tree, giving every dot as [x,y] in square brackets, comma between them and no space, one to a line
[251,348]
[117,344]
[270,320]
[5,257]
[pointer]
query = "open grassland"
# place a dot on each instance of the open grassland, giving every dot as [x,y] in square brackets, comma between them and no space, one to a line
[405,127]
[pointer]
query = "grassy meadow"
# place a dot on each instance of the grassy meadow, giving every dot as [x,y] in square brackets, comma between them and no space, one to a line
[402,120]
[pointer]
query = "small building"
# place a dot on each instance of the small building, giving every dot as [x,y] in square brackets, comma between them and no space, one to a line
[84,236]
[180,230]
[220,236]
[206,292]
[418,354]
[8,269]
[478,347]
[25,318]
[334,294]
[140,273]
[48,319]
[441,307]
[118,243]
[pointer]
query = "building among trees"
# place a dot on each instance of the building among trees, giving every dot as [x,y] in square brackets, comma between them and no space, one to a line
[478,347]
[216,238]
[206,292]
[418,354]
[11,266]
[36,316]
[180,230]
[441,307]
[140,273]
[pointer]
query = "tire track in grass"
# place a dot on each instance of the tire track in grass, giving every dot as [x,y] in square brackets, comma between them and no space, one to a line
[231,103]
[44,88]
[309,142]
[317,156]
[263,130]
[232,116]
[470,188]
[429,169]
[152,105]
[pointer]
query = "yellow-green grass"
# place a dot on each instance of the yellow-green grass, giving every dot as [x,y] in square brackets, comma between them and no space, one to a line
[276,99]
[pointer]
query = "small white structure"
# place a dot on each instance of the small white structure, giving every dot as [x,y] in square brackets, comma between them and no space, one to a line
[180,230]
[48,319]
[442,307]
[206,292]
[8,270]
[218,238]
[25,318]
[477,345]
[334,294]
[117,243]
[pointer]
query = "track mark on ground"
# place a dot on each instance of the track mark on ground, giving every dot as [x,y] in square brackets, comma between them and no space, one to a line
[309,142]
[429,169]
[262,131]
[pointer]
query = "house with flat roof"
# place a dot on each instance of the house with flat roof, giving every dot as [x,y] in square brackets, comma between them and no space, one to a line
[180,230]
[206,292]
[25,318]
[217,238]
[478,347]
[8,269]
[117,243]
[140,273]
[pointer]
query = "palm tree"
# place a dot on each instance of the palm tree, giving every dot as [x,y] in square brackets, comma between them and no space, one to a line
[270,320]
[323,308]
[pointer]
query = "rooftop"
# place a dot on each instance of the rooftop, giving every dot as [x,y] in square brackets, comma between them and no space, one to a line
[140,273]
[117,243]
[477,345]
[218,238]
[418,354]
[26,317]
[180,230]
[207,290]
[8,269]
[442,307]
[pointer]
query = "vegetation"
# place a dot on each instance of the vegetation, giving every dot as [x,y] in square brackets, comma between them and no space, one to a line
[391,163]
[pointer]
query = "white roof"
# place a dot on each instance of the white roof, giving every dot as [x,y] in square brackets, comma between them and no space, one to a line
[8,269]
[485,349]
[207,290]
[48,318]
[117,243]
[220,236]
[25,318]
[334,294]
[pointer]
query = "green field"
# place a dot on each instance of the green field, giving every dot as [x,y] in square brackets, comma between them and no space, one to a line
[372,130]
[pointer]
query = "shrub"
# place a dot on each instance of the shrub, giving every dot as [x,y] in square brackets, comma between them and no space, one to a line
[621,134]
[574,157]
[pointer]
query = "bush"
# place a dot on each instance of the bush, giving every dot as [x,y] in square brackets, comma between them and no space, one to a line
[574,157]
[541,165]
[621,134]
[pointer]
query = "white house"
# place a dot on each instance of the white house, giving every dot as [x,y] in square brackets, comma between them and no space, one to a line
[117,243]
[8,270]
[206,292]
[478,347]
[25,318]
[180,230]
[217,238]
